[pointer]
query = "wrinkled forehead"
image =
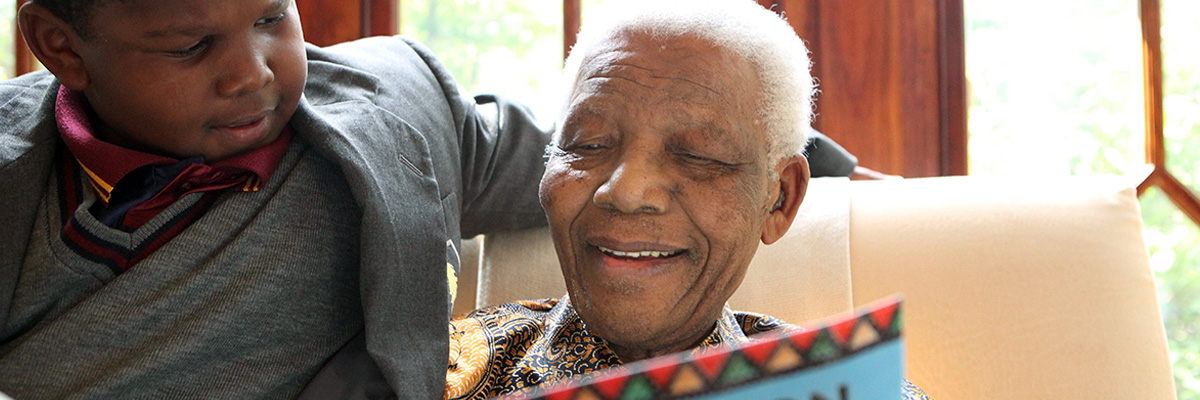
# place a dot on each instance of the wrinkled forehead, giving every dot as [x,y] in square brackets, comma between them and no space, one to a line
[683,58]
[684,79]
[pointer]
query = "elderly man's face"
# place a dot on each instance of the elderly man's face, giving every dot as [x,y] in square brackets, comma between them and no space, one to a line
[658,190]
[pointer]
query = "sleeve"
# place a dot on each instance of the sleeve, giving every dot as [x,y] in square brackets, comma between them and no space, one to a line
[827,158]
[502,148]
[485,171]
[503,161]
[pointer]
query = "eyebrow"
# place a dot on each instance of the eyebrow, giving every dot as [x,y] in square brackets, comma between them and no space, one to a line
[175,31]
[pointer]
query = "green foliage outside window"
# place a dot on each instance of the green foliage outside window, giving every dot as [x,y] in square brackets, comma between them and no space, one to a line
[7,31]
[1174,243]
[1181,86]
[510,47]
[1059,91]
[1054,92]
[1173,239]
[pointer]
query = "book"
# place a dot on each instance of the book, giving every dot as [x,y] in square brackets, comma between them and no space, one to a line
[859,355]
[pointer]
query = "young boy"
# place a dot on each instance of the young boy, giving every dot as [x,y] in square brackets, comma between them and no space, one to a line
[196,204]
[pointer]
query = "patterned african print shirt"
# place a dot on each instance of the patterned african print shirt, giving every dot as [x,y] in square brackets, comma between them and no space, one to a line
[503,349]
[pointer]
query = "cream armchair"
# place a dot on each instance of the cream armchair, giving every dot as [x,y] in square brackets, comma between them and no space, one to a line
[1015,289]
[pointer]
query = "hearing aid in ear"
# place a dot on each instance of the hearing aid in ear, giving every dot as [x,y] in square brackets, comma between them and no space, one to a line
[778,202]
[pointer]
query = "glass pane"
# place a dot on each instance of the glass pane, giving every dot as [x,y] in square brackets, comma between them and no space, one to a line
[1054,92]
[1181,85]
[1174,243]
[7,48]
[584,5]
[509,47]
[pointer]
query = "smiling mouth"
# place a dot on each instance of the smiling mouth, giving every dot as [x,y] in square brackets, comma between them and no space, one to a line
[639,255]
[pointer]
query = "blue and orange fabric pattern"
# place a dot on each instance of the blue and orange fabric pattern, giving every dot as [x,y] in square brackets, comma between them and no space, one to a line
[504,349]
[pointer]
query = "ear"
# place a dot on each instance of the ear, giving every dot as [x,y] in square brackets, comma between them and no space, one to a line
[55,43]
[793,183]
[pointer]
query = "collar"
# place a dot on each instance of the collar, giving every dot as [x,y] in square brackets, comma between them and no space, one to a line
[728,331]
[106,163]
[563,323]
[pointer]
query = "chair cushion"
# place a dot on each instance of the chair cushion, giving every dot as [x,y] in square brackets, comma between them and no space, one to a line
[1015,288]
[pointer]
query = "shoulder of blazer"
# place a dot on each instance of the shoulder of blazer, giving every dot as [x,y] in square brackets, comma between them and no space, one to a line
[26,116]
[379,69]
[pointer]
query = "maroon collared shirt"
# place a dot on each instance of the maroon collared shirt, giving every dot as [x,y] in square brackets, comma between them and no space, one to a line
[106,164]
[135,186]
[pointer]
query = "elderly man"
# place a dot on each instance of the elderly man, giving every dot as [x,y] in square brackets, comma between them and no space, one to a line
[678,154]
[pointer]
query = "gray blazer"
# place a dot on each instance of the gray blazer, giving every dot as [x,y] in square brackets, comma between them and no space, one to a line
[426,164]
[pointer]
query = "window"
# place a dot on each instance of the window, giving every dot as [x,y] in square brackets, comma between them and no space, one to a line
[1174,240]
[1054,92]
[1181,94]
[1060,91]
[1174,243]
[8,29]
[509,47]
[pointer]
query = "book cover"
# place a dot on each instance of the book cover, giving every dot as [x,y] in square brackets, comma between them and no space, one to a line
[859,355]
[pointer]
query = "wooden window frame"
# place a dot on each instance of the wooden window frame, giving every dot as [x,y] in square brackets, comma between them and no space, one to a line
[1150,14]
[25,62]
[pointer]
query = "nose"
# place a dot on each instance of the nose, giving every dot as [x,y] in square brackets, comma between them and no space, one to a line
[636,185]
[244,71]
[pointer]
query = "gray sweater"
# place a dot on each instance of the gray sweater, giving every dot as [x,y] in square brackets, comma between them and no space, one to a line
[200,318]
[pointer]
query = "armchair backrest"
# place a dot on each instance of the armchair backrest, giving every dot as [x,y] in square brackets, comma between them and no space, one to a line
[1014,288]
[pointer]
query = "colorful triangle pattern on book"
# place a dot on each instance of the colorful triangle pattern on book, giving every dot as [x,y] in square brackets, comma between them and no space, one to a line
[766,355]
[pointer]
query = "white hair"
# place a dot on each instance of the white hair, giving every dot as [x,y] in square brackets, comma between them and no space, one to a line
[760,36]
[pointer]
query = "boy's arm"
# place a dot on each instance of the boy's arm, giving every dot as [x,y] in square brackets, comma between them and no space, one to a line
[505,170]
[486,172]
[502,149]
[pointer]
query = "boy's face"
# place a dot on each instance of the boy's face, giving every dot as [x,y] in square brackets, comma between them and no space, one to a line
[194,77]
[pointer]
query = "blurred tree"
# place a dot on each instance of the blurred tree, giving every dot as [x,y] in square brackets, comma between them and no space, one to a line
[511,47]
[1174,244]
[1181,84]
[1054,92]
[7,47]
[1175,250]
